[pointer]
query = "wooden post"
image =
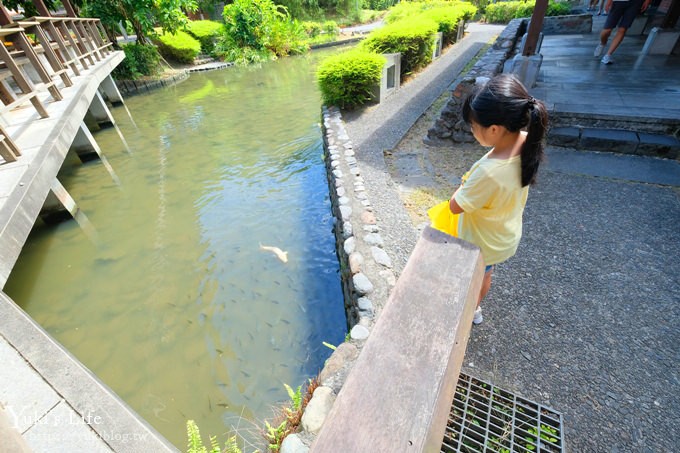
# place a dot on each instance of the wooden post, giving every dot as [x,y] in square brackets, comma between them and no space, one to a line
[5,18]
[42,9]
[398,396]
[672,15]
[69,8]
[535,27]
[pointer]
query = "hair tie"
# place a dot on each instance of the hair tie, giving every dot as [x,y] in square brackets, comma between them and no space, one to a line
[531,100]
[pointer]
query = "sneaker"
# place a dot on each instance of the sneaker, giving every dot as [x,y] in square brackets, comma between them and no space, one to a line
[598,50]
[478,316]
[607,59]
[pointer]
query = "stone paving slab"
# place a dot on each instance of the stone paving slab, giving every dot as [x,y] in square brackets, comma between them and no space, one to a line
[62,429]
[23,392]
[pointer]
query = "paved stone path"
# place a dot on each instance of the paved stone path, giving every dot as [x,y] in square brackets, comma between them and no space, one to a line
[584,318]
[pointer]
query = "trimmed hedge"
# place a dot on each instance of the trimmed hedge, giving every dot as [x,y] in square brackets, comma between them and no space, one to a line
[448,18]
[347,79]
[412,38]
[406,10]
[180,47]
[504,12]
[206,32]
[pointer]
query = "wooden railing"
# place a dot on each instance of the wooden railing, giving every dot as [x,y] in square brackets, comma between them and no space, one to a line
[398,395]
[39,55]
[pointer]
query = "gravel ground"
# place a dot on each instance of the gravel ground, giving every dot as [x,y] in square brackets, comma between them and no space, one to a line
[584,318]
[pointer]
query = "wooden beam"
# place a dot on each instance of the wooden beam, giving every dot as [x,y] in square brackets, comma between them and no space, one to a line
[535,27]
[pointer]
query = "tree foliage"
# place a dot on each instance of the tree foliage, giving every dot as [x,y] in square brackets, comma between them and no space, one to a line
[250,22]
[143,15]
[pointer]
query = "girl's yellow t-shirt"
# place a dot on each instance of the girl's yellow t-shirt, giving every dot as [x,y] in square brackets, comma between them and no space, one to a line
[493,200]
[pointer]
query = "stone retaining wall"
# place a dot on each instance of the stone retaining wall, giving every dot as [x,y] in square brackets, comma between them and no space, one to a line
[366,271]
[568,25]
[450,125]
[132,87]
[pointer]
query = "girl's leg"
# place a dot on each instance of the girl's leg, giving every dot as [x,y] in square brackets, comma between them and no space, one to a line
[486,285]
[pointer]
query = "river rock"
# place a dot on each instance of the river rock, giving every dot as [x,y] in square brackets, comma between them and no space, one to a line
[365,304]
[346,212]
[317,409]
[368,218]
[346,229]
[344,354]
[356,260]
[359,332]
[374,239]
[293,444]
[362,284]
[381,257]
[349,245]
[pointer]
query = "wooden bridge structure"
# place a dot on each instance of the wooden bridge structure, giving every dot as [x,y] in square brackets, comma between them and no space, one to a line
[53,72]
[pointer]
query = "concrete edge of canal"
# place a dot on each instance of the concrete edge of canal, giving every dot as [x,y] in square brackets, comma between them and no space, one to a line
[56,400]
[49,401]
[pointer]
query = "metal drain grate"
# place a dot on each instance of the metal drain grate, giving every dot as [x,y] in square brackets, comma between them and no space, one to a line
[485,419]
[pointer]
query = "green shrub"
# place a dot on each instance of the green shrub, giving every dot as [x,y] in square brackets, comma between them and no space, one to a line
[313,29]
[287,37]
[558,9]
[347,79]
[330,27]
[412,38]
[227,49]
[206,32]
[403,10]
[504,12]
[140,60]
[379,5]
[180,47]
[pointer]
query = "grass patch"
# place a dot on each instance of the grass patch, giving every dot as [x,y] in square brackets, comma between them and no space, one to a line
[476,58]
[418,201]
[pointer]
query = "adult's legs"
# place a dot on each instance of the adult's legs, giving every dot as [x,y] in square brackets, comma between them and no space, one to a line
[618,37]
[604,35]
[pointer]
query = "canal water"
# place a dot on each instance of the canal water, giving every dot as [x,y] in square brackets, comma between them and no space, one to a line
[172,301]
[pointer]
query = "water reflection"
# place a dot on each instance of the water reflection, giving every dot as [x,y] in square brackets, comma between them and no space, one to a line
[176,307]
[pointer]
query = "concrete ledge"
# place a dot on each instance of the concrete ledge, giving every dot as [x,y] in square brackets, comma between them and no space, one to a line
[80,413]
[609,140]
[398,395]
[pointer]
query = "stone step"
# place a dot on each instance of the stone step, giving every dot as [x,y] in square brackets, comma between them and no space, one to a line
[665,121]
[616,140]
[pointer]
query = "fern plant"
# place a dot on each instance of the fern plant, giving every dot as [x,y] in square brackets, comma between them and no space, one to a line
[195,444]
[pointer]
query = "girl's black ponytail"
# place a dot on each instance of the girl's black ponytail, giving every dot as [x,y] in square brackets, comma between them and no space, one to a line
[504,101]
[532,150]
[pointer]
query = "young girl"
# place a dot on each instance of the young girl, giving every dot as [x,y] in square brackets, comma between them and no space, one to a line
[493,193]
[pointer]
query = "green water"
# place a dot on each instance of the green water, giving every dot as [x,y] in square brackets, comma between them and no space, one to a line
[171,302]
